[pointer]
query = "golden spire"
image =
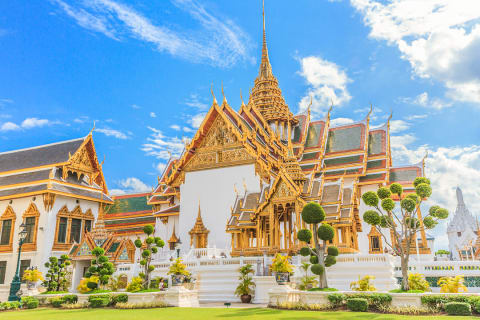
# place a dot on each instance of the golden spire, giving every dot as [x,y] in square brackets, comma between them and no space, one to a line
[265,67]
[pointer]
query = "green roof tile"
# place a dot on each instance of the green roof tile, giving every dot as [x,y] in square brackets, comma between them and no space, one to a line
[344,139]
[133,204]
[314,133]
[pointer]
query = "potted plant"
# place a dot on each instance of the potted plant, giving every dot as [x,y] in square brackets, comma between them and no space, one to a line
[245,288]
[282,269]
[307,282]
[32,276]
[178,270]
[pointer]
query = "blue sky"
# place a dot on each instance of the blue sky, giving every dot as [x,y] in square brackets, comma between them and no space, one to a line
[143,71]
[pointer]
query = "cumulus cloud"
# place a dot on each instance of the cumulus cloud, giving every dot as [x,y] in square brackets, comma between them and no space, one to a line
[196,120]
[402,140]
[112,133]
[131,185]
[439,38]
[424,100]
[28,123]
[194,102]
[447,168]
[175,127]
[340,122]
[398,126]
[327,82]
[161,146]
[217,41]
[134,106]
[153,115]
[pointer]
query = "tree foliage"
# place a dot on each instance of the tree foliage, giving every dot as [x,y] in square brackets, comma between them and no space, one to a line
[100,267]
[403,220]
[152,244]
[321,256]
[56,277]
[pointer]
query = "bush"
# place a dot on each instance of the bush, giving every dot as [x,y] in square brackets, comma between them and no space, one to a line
[141,305]
[9,305]
[30,302]
[336,299]
[458,309]
[118,298]
[99,301]
[70,298]
[357,304]
[56,302]
[439,301]
[135,285]
[375,300]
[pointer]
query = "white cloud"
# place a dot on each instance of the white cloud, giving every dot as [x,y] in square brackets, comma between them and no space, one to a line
[161,166]
[447,168]
[398,126]
[81,119]
[197,120]
[417,116]
[134,106]
[328,84]
[9,126]
[218,41]
[161,146]
[131,185]
[194,102]
[439,38]
[187,129]
[153,115]
[112,133]
[34,122]
[175,127]
[424,100]
[5,101]
[403,140]
[340,122]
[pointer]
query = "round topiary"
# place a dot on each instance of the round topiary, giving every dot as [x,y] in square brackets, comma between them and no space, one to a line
[154,249]
[388,204]
[143,262]
[440,213]
[146,253]
[412,223]
[396,188]
[408,204]
[92,269]
[104,279]
[305,251]
[432,210]
[414,197]
[332,251]
[384,193]
[149,240]
[304,235]
[423,190]
[429,223]
[420,180]
[138,243]
[371,217]
[98,251]
[313,259]
[148,229]
[326,232]
[385,222]
[160,243]
[151,268]
[92,285]
[317,269]
[330,261]
[313,213]
[370,198]
[102,259]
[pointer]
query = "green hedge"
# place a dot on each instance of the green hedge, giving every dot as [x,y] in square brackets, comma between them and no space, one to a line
[118,298]
[10,305]
[375,301]
[439,301]
[336,299]
[357,304]
[29,302]
[70,298]
[458,308]
[56,302]
[99,301]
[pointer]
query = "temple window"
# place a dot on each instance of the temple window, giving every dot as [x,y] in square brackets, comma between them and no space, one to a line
[24,265]
[459,234]
[7,223]
[375,241]
[88,225]
[3,271]
[62,230]
[75,230]
[30,228]
[30,219]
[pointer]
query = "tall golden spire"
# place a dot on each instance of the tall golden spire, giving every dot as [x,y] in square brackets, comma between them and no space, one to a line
[267,96]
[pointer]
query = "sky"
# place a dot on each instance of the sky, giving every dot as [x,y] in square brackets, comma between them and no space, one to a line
[142,72]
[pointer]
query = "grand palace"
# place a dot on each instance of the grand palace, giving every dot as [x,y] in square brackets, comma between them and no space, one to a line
[238,188]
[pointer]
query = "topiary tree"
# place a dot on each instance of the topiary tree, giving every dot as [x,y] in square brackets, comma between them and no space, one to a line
[321,256]
[151,246]
[101,268]
[56,277]
[403,223]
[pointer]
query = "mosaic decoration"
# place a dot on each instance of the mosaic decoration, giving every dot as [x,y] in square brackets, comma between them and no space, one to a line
[84,250]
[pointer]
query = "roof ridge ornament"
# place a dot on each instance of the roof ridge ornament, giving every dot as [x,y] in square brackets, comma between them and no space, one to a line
[93,129]
[241,97]
[223,94]
[213,95]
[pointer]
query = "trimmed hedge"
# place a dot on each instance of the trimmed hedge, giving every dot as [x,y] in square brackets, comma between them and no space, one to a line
[458,308]
[118,298]
[29,302]
[70,298]
[357,304]
[99,301]
[9,305]
[336,299]
[56,302]
[439,301]
[376,301]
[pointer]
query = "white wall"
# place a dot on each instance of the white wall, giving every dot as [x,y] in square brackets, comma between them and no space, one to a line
[214,188]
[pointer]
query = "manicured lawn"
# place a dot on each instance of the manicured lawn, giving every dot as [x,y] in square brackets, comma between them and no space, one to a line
[197,314]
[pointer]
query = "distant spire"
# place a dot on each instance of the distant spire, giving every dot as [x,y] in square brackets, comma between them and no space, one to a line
[460,197]
[265,67]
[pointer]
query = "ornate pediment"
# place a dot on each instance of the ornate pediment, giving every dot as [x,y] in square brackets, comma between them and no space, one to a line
[282,191]
[8,213]
[219,136]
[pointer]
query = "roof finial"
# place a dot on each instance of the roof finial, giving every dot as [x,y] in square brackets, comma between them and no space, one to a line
[93,129]
[213,95]
[265,67]
[241,97]
[223,94]
[391,115]
[371,110]
[330,109]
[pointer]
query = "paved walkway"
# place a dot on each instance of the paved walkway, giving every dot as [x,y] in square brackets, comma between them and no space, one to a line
[233,305]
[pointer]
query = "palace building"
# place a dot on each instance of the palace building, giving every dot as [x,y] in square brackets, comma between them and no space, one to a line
[242,181]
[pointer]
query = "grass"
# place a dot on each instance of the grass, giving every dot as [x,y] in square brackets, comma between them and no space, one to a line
[408,291]
[322,289]
[200,314]
[54,292]
[98,291]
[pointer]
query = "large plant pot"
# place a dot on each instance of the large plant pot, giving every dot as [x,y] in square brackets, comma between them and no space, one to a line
[177,279]
[246,298]
[282,278]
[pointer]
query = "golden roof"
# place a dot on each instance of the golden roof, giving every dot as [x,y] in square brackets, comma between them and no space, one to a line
[266,94]
[173,238]
[293,169]
[199,227]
